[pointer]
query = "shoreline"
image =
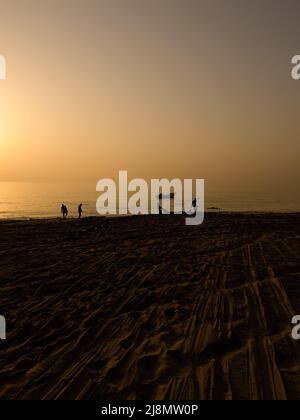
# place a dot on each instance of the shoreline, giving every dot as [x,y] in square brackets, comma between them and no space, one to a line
[99,217]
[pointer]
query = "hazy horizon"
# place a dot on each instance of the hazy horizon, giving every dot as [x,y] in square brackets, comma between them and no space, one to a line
[188,89]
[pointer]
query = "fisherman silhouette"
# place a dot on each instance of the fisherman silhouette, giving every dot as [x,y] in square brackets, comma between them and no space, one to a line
[190,212]
[80,211]
[64,211]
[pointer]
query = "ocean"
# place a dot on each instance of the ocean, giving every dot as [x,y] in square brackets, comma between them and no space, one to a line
[43,200]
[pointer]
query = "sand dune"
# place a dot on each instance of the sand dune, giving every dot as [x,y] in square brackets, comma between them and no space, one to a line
[145,307]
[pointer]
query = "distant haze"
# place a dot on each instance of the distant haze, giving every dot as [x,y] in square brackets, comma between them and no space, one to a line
[161,88]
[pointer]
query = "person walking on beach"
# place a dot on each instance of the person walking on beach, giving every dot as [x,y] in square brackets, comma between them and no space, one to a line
[64,211]
[80,211]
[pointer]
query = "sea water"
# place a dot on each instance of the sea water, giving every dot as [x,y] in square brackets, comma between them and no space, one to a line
[44,200]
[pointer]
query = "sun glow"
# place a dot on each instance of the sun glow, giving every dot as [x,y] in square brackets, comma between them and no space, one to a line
[3,133]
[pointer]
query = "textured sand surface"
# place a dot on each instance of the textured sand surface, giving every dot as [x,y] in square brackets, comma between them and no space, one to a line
[146,307]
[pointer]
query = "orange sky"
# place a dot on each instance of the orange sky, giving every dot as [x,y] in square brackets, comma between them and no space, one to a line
[160,88]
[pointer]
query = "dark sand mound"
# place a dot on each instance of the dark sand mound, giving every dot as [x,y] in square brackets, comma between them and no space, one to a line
[146,307]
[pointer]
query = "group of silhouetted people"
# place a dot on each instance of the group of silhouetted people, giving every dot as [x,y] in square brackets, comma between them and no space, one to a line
[65,211]
[191,212]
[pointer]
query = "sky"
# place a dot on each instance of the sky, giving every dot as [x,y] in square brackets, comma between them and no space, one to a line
[161,88]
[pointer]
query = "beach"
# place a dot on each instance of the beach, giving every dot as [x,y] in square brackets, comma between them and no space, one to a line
[147,308]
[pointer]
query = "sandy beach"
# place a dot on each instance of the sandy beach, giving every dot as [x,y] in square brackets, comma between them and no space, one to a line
[147,308]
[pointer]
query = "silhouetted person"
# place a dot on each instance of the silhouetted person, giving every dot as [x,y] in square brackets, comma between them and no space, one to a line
[193,209]
[64,211]
[80,211]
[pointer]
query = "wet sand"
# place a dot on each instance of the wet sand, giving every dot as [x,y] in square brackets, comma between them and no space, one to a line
[147,308]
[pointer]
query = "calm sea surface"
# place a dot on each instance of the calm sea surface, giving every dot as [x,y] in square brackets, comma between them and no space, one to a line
[37,200]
